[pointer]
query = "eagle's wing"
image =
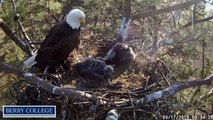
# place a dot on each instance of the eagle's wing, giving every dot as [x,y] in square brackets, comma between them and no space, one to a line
[53,37]
[56,47]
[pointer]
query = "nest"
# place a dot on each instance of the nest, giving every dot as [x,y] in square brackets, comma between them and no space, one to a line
[131,82]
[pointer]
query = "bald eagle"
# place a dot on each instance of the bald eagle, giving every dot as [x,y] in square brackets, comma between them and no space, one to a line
[95,69]
[61,39]
[120,54]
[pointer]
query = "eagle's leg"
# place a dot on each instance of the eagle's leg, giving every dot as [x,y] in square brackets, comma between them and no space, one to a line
[59,72]
[49,73]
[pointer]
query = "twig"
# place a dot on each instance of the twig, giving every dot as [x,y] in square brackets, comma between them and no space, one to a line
[164,77]
[27,39]
[197,21]
[66,9]
[19,21]
[196,107]
[127,109]
[142,90]
[35,43]
[64,108]
[147,82]
[165,69]
[132,105]
[162,44]
[55,18]
[11,35]
[76,111]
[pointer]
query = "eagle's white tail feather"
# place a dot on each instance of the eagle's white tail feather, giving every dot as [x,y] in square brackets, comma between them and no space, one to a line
[30,61]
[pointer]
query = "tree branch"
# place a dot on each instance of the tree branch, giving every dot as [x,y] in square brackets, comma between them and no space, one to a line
[164,10]
[197,21]
[26,37]
[11,35]
[19,21]
[172,90]
[126,19]
[32,78]
[165,42]
[170,35]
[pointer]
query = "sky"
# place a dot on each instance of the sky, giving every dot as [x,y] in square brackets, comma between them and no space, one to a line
[209,7]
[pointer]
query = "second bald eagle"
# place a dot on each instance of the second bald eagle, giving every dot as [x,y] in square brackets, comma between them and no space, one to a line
[61,39]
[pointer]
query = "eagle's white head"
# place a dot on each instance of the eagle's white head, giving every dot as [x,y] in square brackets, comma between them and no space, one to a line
[75,18]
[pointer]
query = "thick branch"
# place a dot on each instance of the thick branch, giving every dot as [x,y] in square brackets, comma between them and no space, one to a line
[164,10]
[32,78]
[126,19]
[10,34]
[172,90]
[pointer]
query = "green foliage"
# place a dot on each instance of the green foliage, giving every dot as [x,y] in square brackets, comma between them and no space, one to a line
[5,95]
[184,71]
[209,67]
[191,52]
[54,6]
[105,19]
[7,13]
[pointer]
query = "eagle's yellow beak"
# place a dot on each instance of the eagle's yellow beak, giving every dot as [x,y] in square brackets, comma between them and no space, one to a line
[82,21]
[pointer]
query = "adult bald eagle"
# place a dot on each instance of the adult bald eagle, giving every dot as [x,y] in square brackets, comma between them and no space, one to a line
[61,39]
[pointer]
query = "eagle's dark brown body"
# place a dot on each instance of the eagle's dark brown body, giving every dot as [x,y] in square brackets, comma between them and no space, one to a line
[120,54]
[56,47]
